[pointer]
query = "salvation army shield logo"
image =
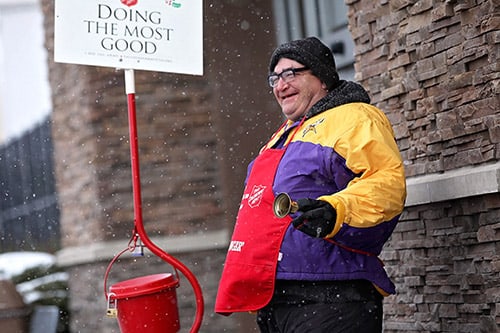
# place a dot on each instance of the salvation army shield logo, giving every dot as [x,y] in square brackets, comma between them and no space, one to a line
[256,196]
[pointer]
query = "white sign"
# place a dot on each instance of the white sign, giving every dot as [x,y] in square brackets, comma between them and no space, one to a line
[157,35]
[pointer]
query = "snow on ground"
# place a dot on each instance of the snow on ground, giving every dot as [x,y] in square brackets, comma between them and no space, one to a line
[14,263]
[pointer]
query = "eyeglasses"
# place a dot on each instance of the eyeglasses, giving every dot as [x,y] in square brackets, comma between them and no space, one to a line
[286,75]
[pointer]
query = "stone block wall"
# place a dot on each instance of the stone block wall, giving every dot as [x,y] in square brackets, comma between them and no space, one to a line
[433,67]
[445,261]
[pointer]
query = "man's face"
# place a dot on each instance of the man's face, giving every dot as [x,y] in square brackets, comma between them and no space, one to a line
[298,95]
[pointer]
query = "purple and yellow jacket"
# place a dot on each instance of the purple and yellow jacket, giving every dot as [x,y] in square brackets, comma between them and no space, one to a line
[344,153]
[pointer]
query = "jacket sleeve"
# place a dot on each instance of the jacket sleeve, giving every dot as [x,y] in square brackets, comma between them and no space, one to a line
[366,142]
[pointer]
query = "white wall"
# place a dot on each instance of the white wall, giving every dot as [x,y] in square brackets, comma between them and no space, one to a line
[24,87]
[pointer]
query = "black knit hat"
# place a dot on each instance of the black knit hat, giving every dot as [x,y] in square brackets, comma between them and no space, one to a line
[313,54]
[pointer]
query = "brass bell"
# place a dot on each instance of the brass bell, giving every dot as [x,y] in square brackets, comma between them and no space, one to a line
[283,205]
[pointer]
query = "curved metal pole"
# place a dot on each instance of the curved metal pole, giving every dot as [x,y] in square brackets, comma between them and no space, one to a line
[136,187]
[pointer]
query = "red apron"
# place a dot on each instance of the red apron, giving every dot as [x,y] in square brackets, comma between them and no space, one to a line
[247,281]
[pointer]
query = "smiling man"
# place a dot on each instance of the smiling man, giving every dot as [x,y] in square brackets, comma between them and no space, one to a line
[317,269]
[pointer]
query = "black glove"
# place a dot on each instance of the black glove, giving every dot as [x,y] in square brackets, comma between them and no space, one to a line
[318,218]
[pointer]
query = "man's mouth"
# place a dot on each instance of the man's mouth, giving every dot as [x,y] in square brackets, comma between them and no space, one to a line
[284,98]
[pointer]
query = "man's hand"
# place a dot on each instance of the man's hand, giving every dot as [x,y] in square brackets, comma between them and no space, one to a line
[318,218]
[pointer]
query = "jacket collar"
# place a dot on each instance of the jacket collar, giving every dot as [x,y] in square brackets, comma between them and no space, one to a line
[345,92]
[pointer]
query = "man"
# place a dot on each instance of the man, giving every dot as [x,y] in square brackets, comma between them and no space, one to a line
[316,270]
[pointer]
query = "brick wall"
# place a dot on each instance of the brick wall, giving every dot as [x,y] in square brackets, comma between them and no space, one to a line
[433,67]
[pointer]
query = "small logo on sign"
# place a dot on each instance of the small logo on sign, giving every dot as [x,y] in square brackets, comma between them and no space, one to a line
[256,196]
[131,3]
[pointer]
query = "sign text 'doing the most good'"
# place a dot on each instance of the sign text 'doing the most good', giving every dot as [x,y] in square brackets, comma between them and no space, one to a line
[151,35]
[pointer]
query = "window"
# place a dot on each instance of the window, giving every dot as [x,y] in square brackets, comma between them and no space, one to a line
[325,19]
[24,87]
